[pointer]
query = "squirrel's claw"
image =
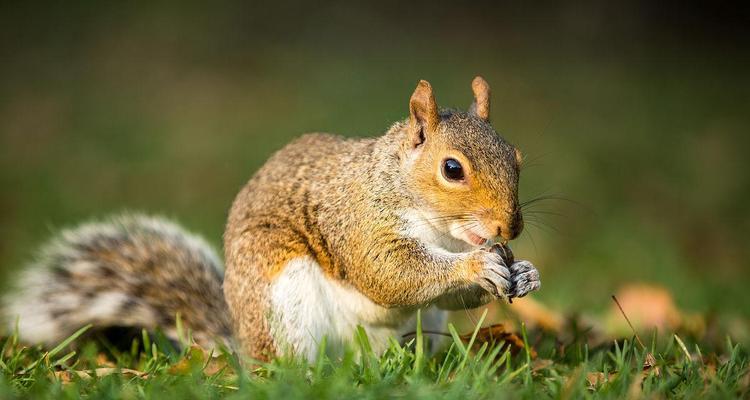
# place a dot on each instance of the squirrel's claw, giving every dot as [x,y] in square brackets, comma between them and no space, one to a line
[495,275]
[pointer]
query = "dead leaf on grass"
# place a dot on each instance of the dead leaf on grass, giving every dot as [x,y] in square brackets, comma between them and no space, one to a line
[597,379]
[534,313]
[495,334]
[199,358]
[540,364]
[67,376]
[103,361]
[649,306]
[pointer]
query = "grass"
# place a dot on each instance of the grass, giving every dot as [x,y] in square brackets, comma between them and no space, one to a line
[152,368]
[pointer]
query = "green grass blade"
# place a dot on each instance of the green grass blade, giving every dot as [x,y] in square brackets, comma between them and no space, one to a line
[67,341]
[457,340]
[419,347]
[471,341]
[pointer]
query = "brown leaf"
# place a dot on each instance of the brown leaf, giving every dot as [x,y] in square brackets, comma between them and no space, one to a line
[649,365]
[195,358]
[103,361]
[596,379]
[494,334]
[199,358]
[66,377]
[216,365]
[540,364]
[124,371]
[647,306]
[534,313]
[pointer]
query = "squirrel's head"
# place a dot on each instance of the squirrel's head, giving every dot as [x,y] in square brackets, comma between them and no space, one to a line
[464,172]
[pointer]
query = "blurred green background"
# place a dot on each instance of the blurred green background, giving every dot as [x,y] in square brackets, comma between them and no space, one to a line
[636,115]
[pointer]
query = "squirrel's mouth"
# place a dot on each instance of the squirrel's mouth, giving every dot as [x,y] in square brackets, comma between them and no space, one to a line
[473,235]
[470,232]
[474,239]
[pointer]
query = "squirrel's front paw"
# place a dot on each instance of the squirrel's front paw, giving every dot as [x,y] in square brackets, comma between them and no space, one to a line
[491,273]
[524,279]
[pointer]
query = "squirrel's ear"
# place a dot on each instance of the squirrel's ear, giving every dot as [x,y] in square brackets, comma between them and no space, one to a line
[519,157]
[481,105]
[423,113]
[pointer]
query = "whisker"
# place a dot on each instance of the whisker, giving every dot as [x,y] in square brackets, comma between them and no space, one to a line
[466,310]
[523,205]
[448,217]
[430,221]
[533,242]
[544,227]
[544,212]
[464,227]
[533,161]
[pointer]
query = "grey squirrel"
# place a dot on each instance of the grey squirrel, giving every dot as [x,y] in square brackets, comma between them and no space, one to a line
[329,234]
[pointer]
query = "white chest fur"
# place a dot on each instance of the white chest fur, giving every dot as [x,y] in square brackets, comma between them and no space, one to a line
[307,306]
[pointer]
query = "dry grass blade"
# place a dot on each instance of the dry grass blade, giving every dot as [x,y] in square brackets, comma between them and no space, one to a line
[649,364]
[638,338]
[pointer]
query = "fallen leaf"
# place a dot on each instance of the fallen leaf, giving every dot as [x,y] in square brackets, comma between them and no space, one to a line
[194,359]
[66,377]
[103,361]
[540,364]
[199,358]
[647,306]
[597,379]
[494,334]
[534,313]
[124,371]
[649,365]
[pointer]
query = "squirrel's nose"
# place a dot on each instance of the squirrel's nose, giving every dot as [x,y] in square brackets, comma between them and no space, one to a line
[513,228]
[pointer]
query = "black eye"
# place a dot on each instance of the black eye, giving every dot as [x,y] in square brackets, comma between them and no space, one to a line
[452,170]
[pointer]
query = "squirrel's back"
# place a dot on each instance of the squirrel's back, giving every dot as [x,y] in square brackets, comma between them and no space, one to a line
[130,271]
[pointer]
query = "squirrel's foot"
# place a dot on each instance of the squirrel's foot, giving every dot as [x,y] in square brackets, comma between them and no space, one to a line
[494,276]
[524,279]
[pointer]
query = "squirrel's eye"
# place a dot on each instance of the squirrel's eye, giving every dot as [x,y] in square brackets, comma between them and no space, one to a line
[452,170]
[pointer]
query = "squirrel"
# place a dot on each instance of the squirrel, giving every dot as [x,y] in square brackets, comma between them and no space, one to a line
[330,234]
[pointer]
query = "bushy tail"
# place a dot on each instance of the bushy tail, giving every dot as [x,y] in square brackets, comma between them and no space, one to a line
[129,271]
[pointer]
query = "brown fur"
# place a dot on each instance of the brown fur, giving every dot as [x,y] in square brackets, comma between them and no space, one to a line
[339,201]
